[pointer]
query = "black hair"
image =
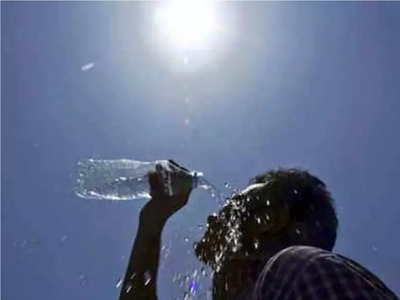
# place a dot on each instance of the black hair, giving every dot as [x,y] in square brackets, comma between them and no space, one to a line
[309,202]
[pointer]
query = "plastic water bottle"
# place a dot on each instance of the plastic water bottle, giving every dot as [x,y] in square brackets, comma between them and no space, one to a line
[126,179]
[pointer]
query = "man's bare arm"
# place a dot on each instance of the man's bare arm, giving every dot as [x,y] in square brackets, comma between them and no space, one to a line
[141,275]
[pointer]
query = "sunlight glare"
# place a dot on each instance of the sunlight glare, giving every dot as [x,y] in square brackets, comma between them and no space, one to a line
[188,24]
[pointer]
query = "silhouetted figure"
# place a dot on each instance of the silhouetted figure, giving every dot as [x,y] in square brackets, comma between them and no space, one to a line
[273,240]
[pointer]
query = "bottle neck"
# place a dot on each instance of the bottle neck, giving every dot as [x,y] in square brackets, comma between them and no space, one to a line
[195,179]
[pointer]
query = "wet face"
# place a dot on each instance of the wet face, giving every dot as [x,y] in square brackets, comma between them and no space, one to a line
[233,232]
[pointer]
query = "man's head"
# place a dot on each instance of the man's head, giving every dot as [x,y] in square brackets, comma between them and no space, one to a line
[279,209]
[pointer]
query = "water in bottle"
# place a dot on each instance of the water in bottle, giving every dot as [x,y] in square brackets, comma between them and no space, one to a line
[126,179]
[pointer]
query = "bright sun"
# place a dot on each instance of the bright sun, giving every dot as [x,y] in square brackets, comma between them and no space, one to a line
[187,24]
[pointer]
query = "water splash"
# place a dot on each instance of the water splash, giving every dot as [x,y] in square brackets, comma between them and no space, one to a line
[166,250]
[193,287]
[119,283]
[215,193]
[194,283]
[231,189]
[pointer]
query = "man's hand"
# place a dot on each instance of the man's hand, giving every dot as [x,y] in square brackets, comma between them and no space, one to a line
[170,188]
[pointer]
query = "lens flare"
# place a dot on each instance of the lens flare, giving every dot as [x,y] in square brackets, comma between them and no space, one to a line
[188,24]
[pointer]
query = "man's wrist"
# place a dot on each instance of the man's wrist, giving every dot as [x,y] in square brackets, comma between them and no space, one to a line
[152,218]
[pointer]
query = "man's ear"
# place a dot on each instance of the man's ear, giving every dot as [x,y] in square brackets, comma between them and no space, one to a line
[278,219]
[298,232]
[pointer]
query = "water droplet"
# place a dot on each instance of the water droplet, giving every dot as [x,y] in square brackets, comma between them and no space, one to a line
[176,278]
[119,283]
[87,67]
[200,226]
[63,239]
[193,287]
[147,278]
[218,256]
[268,203]
[186,296]
[128,288]
[82,278]
[186,240]
[295,191]
[374,249]
[256,244]
[167,254]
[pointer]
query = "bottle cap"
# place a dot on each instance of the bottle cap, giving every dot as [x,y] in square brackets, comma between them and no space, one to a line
[195,176]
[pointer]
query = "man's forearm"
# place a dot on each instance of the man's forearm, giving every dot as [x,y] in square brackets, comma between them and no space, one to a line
[141,276]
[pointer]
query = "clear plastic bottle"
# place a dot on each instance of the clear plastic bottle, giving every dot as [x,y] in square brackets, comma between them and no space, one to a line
[125,179]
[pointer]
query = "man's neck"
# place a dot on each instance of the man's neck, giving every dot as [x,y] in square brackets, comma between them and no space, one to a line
[240,275]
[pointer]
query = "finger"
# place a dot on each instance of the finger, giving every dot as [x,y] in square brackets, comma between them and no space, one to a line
[154,180]
[159,167]
[182,182]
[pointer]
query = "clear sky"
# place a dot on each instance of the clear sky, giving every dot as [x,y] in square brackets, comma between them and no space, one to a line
[314,85]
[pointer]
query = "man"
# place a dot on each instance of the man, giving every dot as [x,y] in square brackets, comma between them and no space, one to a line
[273,240]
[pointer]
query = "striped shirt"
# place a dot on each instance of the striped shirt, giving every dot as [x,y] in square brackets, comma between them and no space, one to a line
[302,273]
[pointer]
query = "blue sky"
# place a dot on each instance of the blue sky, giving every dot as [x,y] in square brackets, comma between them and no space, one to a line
[312,84]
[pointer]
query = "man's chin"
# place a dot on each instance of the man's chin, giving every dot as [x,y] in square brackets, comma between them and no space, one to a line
[213,255]
[209,253]
[204,252]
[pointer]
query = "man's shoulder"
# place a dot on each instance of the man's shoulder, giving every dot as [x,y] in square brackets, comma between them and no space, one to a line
[281,270]
[293,260]
[298,255]
[296,271]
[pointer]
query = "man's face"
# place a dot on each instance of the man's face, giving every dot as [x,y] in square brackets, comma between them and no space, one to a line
[233,231]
